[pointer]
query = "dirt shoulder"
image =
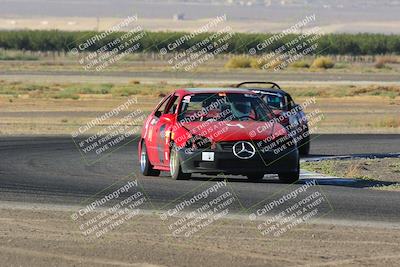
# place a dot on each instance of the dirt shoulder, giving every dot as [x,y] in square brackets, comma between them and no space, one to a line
[46,237]
[385,169]
[383,174]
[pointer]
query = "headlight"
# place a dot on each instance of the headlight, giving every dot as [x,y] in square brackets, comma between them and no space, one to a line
[293,121]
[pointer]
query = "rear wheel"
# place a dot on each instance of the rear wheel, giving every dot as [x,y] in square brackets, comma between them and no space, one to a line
[175,166]
[145,166]
[255,176]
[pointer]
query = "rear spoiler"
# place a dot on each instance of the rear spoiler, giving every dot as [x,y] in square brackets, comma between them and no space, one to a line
[274,85]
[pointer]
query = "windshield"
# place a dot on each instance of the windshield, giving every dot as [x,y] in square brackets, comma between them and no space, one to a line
[223,107]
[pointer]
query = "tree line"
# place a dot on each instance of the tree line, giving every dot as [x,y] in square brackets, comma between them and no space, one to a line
[239,43]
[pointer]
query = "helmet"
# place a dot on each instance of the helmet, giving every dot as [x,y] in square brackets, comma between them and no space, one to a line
[241,109]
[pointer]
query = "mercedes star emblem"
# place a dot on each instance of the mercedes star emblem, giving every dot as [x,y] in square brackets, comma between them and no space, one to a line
[244,150]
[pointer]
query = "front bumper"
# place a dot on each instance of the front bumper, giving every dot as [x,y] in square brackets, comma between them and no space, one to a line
[226,162]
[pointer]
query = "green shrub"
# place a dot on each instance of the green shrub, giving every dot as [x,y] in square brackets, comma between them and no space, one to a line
[66,94]
[18,57]
[323,63]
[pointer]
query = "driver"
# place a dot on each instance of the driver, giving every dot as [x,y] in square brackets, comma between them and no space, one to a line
[241,110]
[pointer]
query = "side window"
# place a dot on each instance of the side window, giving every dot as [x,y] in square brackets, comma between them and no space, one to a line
[162,107]
[171,107]
[290,103]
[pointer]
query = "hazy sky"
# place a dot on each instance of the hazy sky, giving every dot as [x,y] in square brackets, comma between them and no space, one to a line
[333,9]
[339,15]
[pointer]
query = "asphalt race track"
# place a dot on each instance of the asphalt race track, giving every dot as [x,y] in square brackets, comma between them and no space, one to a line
[50,170]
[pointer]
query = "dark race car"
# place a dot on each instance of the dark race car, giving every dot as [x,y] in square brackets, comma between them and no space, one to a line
[291,115]
[213,131]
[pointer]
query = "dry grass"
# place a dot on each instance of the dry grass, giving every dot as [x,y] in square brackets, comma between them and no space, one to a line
[323,63]
[382,61]
[135,87]
[387,170]
[239,62]
[361,113]
[388,59]
[389,123]
[300,64]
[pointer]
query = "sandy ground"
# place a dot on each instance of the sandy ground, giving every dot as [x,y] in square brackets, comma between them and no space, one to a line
[30,116]
[31,237]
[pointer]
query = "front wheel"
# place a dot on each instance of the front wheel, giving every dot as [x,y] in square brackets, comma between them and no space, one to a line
[145,166]
[290,177]
[175,166]
[304,148]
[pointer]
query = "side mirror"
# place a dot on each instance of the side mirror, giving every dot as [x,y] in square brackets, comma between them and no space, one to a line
[157,113]
[167,117]
[296,106]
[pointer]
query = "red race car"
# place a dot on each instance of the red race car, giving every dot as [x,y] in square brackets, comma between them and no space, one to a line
[213,131]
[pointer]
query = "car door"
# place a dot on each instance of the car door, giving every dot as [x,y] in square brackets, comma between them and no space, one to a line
[163,130]
[152,131]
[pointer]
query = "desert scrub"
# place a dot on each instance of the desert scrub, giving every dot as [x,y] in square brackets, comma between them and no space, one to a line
[382,61]
[300,64]
[339,168]
[388,123]
[265,64]
[376,90]
[323,63]
[238,62]
[386,169]
[393,187]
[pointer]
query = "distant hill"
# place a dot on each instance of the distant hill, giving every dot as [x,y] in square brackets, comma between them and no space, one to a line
[333,15]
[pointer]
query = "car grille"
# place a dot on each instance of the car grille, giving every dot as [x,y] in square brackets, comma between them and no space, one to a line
[262,147]
[226,146]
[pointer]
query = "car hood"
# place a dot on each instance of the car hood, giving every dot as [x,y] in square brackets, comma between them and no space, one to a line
[235,130]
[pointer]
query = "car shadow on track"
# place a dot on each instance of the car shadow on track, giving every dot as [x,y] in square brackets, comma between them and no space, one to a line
[270,179]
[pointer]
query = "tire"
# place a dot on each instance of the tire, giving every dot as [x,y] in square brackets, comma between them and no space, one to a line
[254,177]
[304,148]
[175,166]
[290,177]
[145,166]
